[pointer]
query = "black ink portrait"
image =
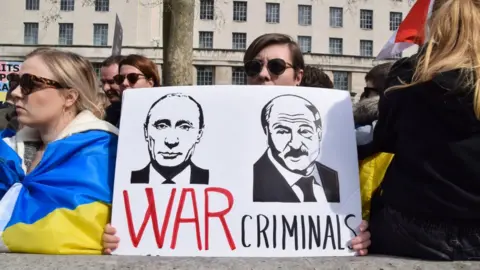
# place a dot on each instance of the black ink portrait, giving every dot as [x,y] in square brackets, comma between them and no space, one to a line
[288,171]
[173,127]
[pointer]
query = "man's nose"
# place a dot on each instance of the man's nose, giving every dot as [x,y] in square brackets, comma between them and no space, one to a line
[295,141]
[171,141]
[106,87]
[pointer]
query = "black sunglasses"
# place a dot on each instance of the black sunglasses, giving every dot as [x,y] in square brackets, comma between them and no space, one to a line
[275,66]
[29,83]
[131,77]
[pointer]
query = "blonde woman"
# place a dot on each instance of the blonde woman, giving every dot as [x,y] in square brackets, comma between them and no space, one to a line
[428,205]
[56,172]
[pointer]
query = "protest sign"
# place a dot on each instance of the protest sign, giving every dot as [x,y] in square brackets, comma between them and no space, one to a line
[117,37]
[246,171]
[5,69]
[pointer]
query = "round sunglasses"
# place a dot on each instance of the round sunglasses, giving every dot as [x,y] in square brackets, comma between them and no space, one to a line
[131,77]
[275,66]
[29,83]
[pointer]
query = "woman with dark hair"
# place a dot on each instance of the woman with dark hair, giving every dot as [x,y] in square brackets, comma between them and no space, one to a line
[135,71]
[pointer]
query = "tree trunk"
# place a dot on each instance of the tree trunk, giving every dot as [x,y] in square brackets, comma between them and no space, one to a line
[178,17]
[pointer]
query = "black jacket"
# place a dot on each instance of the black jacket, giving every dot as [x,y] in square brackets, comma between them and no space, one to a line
[433,132]
[270,186]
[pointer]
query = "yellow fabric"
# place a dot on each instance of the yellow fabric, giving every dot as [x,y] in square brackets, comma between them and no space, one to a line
[372,171]
[63,231]
[3,96]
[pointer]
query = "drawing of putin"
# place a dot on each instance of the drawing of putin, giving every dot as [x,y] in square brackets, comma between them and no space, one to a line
[288,171]
[173,127]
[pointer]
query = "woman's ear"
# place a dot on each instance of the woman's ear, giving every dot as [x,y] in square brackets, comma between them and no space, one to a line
[150,81]
[71,97]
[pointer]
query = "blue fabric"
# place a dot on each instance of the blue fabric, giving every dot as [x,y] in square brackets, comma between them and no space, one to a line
[74,171]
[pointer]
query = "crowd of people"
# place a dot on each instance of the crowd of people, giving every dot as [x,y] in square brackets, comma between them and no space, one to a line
[417,128]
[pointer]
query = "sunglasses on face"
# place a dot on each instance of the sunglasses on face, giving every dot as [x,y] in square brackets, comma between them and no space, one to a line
[131,77]
[275,66]
[29,83]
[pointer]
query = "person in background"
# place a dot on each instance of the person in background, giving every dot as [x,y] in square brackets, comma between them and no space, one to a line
[428,204]
[271,59]
[274,59]
[135,71]
[365,111]
[8,114]
[315,77]
[108,70]
[365,115]
[57,171]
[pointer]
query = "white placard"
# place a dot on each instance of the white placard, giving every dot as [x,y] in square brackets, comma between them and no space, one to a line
[247,171]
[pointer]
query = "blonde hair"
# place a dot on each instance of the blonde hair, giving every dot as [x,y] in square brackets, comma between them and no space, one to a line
[103,100]
[454,43]
[77,72]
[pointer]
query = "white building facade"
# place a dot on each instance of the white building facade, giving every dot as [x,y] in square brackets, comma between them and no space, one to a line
[340,37]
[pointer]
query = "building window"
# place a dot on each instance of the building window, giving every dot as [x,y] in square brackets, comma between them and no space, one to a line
[205,75]
[30,33]
[67,5]
[366,19]
[102,5]
[336,45]
[305,43]
[395,20]
[340,80]
[238,76]
[239,41]
[239,11]
[273,13]
[205,40]
[32,4]
[206,9]
[304,14]
[65,34]
[366,48]
[100,34]
[96,68]
[336,17]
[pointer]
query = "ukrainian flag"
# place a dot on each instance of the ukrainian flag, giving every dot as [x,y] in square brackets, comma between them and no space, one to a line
[62,206]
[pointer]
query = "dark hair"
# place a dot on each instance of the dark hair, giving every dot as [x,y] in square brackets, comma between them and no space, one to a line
[378,76]
[315,77]
[267,40]
[145,65]
[201,122]
[112,60]
[267,109]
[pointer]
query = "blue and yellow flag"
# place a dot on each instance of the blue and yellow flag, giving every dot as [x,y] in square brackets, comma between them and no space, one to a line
[61,206]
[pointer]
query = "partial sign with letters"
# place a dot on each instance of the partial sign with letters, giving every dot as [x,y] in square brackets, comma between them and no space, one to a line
[5,69]
[246,171]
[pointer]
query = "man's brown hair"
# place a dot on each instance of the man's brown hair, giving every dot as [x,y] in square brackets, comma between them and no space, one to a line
[315,77]
[111,60]
[378,76]
[145,65]
[266,40]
